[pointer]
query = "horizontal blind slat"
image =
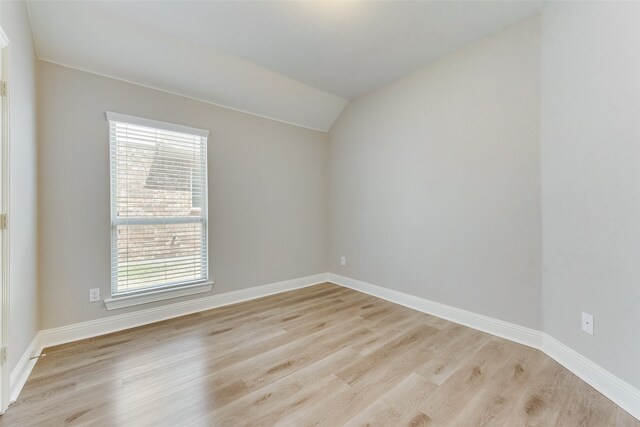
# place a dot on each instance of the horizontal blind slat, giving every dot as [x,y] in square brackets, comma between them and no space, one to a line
[158,207]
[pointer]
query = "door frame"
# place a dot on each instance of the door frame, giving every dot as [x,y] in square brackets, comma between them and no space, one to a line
[5,378]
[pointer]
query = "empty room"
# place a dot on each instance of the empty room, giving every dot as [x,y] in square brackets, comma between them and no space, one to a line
[319,213]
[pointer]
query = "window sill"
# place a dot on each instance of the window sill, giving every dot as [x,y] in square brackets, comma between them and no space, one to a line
[115,303]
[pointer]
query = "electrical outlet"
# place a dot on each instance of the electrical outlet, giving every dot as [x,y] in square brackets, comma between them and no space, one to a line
[94,295]
[343,261]
[587,323]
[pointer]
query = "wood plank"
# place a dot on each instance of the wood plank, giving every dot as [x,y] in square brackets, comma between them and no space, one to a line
[322,355]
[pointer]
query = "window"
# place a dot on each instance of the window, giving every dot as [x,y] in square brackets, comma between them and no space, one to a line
[158,206]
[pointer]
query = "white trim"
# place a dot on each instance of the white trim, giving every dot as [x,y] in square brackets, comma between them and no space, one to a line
[194,145]
[617,390]
[154,295]
[193,98]
[157,124]
[93,328]
[5,279]
[23,369]
[500,328]
[106,325]
[620,392]
[4,40]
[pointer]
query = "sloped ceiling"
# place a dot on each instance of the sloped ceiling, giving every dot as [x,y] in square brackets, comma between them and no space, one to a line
[294,61]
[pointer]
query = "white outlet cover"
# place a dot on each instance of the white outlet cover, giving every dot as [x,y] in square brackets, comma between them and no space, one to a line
[587,323]
[343,261]
[94,295]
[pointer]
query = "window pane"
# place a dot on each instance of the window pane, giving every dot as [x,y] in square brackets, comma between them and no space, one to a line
[158,255]
[158,207]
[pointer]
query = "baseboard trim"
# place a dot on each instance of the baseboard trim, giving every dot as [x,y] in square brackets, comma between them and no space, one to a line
[615,389]
[500,328]
[23,369]
[106,325]
[93,328]
[618,391]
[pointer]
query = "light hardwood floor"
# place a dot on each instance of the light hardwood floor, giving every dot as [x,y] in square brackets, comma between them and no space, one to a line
[323,355]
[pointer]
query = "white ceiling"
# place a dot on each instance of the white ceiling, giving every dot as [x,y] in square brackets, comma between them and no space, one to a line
[295,61]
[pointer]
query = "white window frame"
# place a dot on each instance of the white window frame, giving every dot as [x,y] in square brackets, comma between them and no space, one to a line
[127,299]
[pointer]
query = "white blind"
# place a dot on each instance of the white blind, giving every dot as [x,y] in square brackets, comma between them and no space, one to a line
[158,204]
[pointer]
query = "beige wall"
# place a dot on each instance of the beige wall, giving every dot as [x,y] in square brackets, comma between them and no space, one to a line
[435,181]
[590,133]
[267,191]
[23,200]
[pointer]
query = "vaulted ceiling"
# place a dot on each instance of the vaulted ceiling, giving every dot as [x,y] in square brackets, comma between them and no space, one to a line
[294,61]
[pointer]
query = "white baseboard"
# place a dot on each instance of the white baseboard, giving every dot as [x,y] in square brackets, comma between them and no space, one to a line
[106,325]
[618,391]
[510,331]
[22,370]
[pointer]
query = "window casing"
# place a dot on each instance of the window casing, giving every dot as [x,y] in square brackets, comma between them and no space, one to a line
[158,205]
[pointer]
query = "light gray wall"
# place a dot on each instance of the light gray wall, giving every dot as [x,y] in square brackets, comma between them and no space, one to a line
[267,191]
[435,181]
[23,192]
[590,132]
